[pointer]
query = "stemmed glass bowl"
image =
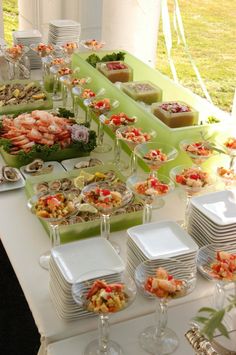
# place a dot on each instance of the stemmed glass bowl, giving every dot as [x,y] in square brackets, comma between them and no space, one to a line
[100,297]
[92,44]
[217,262]
[107,198]
[52,207]
[155,155]
[163,279]
[13,55]
[133,136]
[199,151]
[150,189]
[101,106]
[193,180]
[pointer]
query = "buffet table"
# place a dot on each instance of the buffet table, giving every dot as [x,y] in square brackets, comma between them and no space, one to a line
[25,239]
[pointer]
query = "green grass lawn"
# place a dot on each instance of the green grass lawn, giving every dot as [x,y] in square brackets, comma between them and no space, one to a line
[210,29]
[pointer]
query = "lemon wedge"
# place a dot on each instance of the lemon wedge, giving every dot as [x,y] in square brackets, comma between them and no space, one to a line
[86,207]
[87,177]
[100,175]
[79,182]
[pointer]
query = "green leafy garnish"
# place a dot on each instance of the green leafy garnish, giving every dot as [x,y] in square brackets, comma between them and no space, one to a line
[212,119]
[5,144]
[63,112]
[213,319]
[93,59]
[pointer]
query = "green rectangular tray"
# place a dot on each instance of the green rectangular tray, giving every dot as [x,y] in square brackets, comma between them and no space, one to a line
[91,228]
[47,104]
[171,92]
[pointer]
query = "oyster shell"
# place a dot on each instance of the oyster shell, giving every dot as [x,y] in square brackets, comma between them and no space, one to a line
[55,185]
[10,174]
[82,164]
[42,187]
[66,184]
[35,166]
[94,162]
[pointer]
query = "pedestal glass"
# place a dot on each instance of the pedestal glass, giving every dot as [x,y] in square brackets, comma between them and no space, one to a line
[92,44]
[174,280]
[14,55]
[87,293]
[199,151]
[107,197]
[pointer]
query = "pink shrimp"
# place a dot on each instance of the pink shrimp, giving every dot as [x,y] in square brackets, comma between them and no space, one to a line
[34,135]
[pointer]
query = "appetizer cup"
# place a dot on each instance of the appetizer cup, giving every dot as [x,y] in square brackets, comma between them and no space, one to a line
[155,155]
[193,180]
[150,190]
[230,147]
[52,207]
[92,44]
[13,55]
[132,136]
[163,279]
[199,151]
[92,293]
[101,106]
[217,262]
[106,200]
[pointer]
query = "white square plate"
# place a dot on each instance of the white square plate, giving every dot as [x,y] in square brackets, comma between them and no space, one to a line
[220,206]
[57,168]
[162,239]
[84,256]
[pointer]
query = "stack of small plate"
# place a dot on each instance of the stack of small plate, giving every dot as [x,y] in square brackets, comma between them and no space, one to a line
[69,262]
[28,37]
[62,31]
[161,240]
[212,218]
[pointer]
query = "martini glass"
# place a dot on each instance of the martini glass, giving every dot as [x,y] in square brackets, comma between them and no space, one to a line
[92,44]
[159,339]
[101,106]
[40,204]
[58,72]
[150,189]
[199,151]
[132,136]
[193,180]
[87,287]
[209,261]
[114,122]
[81,97]
[70,48]
[227,175]
[14,55]
[48,75]
[107,198]
[67,82]
[155,155]
[230,147]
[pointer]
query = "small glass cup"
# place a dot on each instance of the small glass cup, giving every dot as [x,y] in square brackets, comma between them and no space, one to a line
[107,198]
[151,190]
[13,55]
[194,181]
[207,256]
[52,221]
[159,339]
[92,44]
[86,287]
[199,151]
[155,155]
[69,48]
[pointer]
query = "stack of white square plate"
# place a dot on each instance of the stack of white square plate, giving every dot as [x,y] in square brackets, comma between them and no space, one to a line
[69,262]
[159,240]
[62,31]
[212,218]
[26,38]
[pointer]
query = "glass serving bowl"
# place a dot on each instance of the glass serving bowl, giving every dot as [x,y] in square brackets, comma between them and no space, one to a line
[150,189]
[227,176]
[194,181]
[114,122]
[175,280]
[69,48]
[199,151]
[100,106]
[155,155]
[133,136]
[91,293]
[53,201]
[14,54]
[92,44]
[215,267]
[107,200]
[229,145]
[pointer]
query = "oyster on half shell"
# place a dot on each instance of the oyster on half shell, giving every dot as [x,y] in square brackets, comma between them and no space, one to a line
[35,166]
[10,174]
